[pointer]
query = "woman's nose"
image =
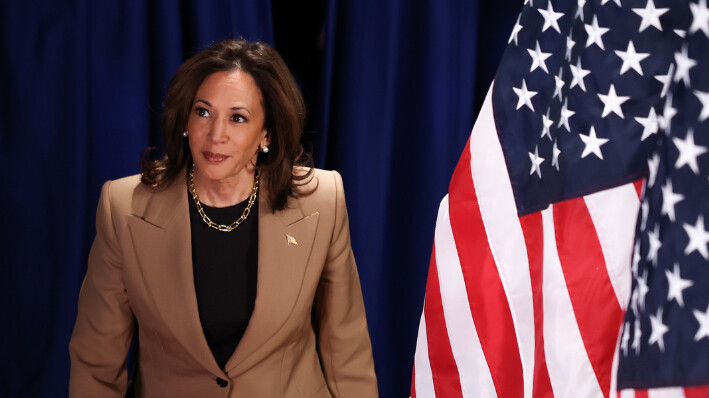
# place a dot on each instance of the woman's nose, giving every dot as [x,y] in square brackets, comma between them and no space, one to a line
[218,132]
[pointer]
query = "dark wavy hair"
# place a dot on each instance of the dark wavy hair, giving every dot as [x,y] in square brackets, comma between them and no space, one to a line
[284,111]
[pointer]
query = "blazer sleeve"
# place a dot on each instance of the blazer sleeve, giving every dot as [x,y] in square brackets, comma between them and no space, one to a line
[104,322]
[343,338]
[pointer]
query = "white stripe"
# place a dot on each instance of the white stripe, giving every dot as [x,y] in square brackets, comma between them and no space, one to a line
[423,377]
[475,378]
[614,213]
[504,233]
[667,392]
[627,394]
[570,370]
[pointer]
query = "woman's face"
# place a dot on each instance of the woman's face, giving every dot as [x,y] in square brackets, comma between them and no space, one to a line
[225,126]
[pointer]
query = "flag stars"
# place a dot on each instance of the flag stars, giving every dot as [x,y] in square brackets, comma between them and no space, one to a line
[570,43]
[676,285]
[653,164]
[524,96]
[666,80]
[631,59]
[617,2]
[592,144]
[580,4]
[550,18]
[658,330]
[555,151]
[578,73]
[684,64]
[650,16]
[698,238]
[700,17]
[655,244]
[546,124]
[565,115]
[536,162]
[612,102]
[515,31]
[668,112]
[558,84]
[703,319]
[595,33]
[643,289]
[669,200]
[688,152]
[704,99]
[637,333]
[538,58]
[650,124]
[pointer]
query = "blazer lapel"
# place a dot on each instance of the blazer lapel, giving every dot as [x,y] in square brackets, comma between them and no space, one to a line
[285,241]
[161,235]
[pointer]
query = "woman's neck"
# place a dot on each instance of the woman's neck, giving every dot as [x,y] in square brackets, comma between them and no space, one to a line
[225,192]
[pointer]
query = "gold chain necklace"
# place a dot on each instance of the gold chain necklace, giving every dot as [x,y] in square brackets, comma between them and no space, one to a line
[212,224]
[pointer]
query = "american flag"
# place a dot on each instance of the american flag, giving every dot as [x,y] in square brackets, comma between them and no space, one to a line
[582,192]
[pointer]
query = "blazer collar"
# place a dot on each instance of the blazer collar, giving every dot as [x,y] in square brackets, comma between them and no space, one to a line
[162,238]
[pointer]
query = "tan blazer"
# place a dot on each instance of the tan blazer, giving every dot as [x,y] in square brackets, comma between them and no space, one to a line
[307,336]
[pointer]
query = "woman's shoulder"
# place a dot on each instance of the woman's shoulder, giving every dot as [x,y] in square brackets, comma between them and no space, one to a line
[128,194]
[322,188]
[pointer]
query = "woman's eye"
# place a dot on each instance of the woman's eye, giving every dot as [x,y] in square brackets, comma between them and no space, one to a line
[238,119]
[201,112]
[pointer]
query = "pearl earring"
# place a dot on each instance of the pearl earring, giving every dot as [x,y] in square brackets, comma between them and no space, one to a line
[264,149]
[184,133]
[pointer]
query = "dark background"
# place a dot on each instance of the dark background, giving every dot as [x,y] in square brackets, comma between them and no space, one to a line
[392,88]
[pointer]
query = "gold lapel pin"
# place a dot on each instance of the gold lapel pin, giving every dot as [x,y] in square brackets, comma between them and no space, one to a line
[291,240]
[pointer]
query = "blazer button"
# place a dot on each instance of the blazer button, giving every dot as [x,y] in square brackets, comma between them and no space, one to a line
[221,382]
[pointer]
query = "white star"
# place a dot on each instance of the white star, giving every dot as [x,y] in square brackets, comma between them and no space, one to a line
[593,144]
[642,290]
[615,1]
[650,124]
[700,17]
[650,15]
[559,84]
[669,200]
[565,115]
[668,112]
[546,124]
[684,64]
[634,302]
[555,151]
[666,80]
[644,210]
[681,33]
[515,31]
[538,58]
[524,95]
[624,340]
[595,33]
[676,285]
[579,9]
[698,238]
[703,319]
[652,165]
[704,99]
[658,330]
[631,59]
[550,18]
[636,337]
[655,244]
[688,152]
[636,258]
[570,43]
[612,102]
[536,161]
[578,74]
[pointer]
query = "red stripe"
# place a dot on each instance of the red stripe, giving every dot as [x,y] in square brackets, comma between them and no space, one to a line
[696,392]
[534,238]
[641,394]
[596,308]
[413,382]
[444,370]
[486,295]
[639,187]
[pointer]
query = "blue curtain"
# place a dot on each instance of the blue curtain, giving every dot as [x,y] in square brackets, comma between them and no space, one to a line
[391,87]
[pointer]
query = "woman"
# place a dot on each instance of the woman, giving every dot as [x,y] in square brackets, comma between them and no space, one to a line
[234,259]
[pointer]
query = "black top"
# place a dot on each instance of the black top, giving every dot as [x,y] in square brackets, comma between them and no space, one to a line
[225,268]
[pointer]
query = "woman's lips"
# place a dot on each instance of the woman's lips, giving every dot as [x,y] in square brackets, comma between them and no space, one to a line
[212,157]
